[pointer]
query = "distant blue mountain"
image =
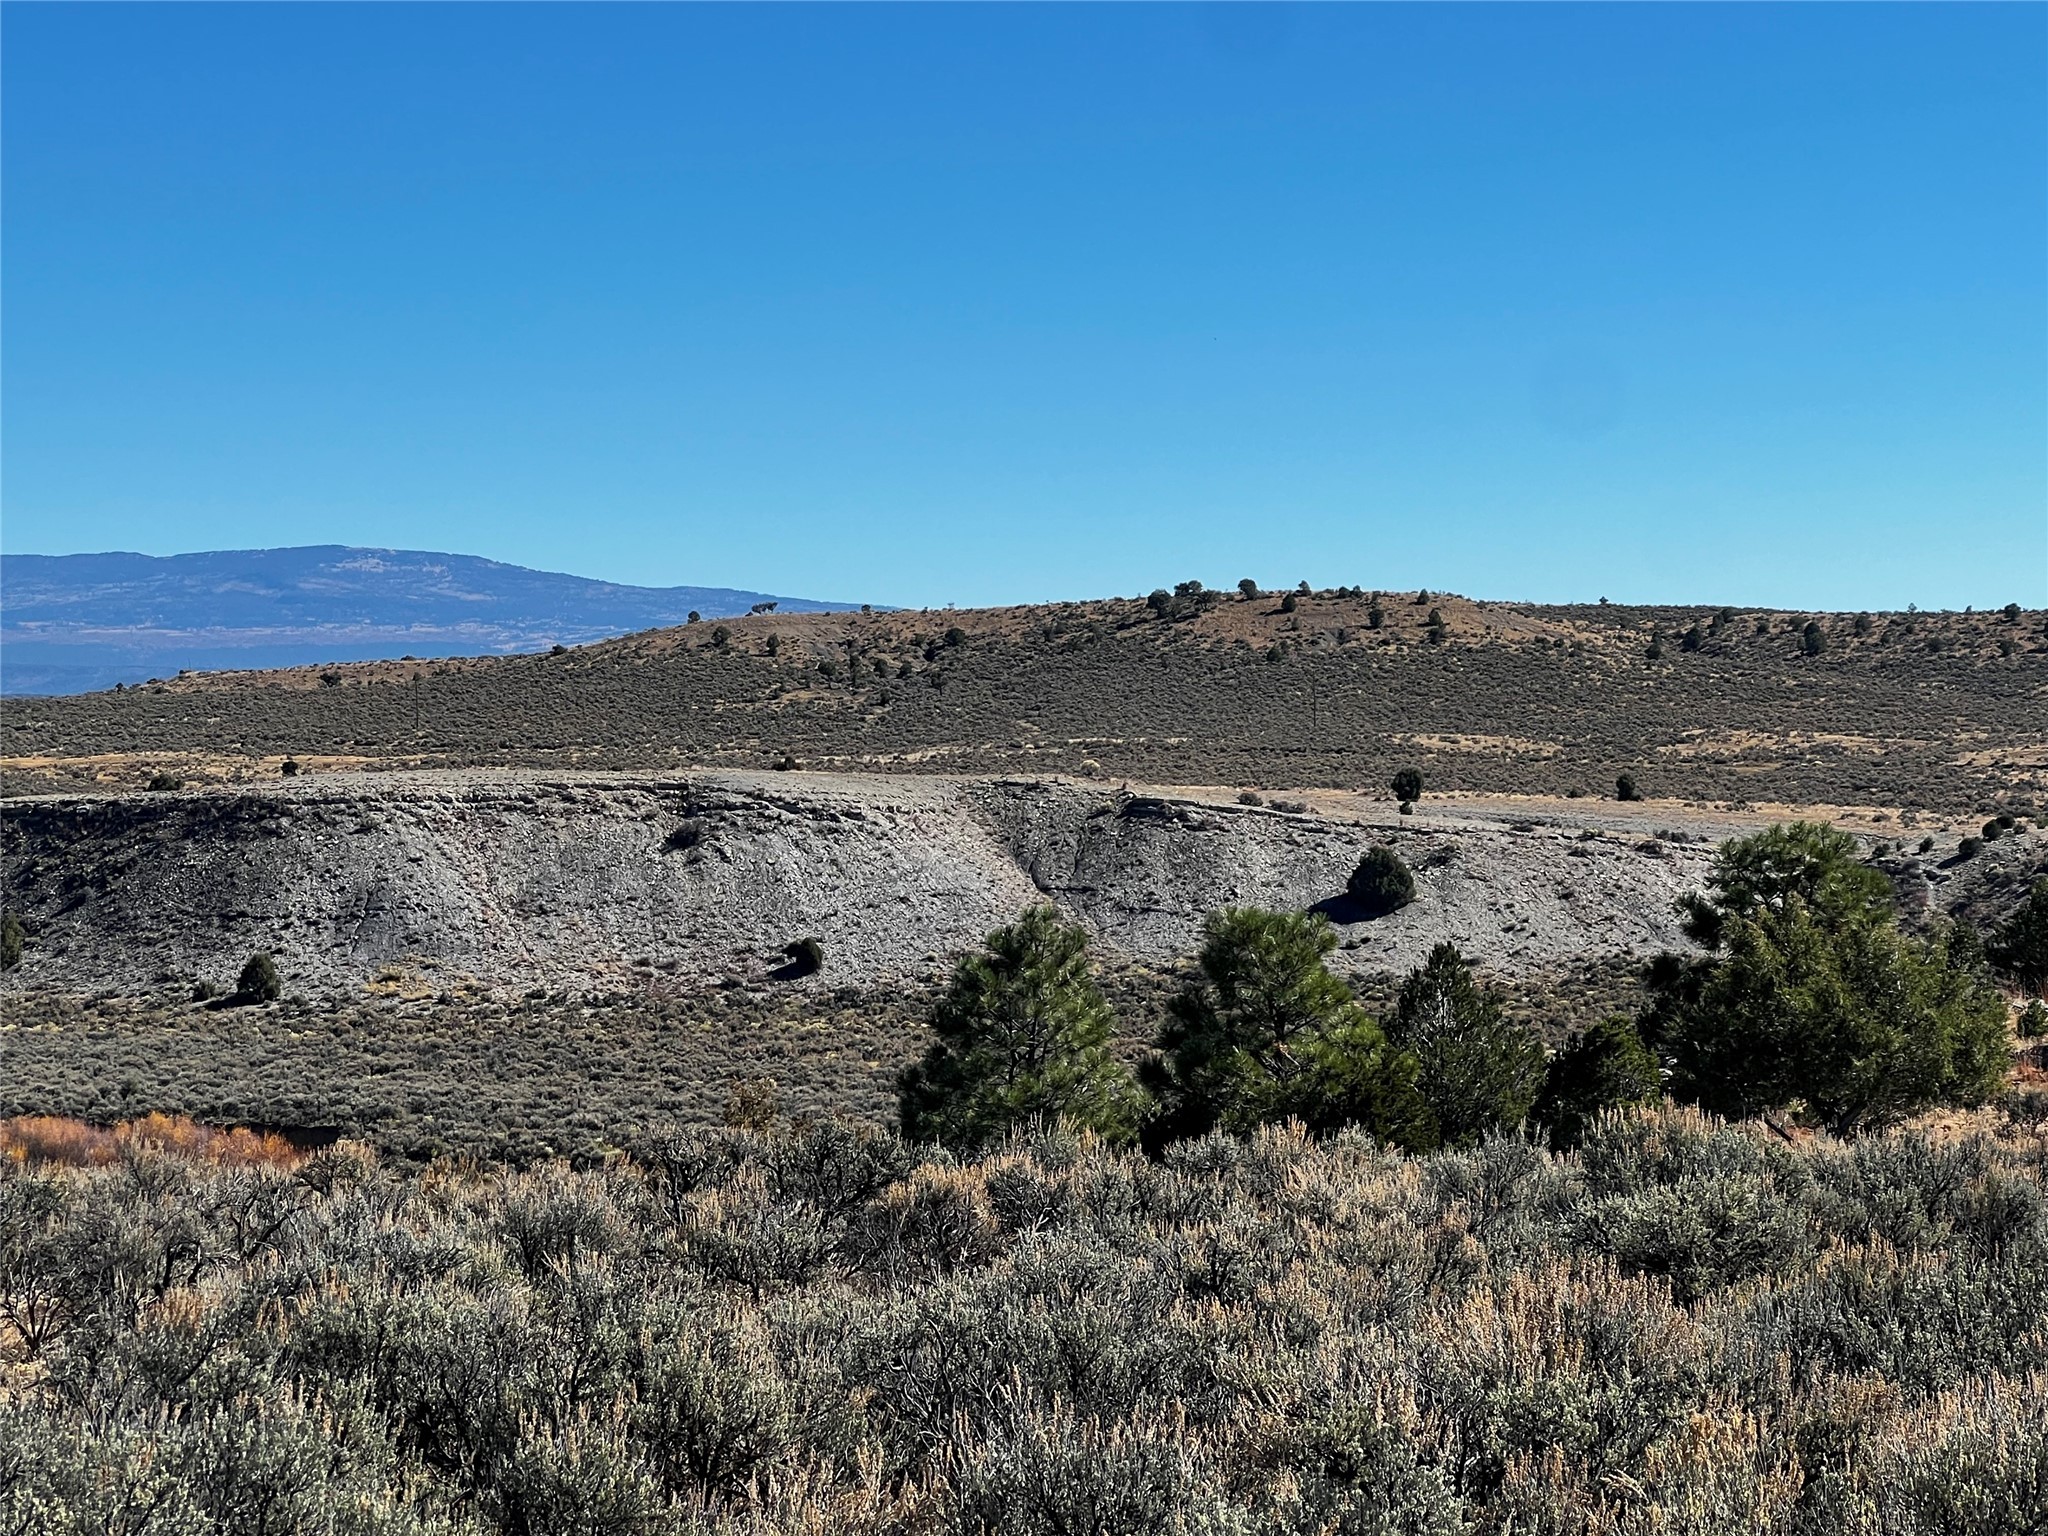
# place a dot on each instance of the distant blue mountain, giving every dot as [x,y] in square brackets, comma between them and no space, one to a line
[71,623]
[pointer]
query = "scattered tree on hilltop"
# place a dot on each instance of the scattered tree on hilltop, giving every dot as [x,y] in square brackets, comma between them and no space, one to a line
[1023,1034]
[1185,601]
[1407,785]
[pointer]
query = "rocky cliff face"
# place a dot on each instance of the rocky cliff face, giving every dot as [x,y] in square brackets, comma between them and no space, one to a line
[517,881]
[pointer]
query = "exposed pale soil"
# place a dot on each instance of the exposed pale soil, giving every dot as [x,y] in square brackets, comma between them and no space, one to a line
[506,880]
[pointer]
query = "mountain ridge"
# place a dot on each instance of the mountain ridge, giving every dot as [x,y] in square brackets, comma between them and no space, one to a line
[71,623]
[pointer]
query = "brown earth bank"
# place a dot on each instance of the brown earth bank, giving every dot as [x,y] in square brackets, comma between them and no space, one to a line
[1936,714]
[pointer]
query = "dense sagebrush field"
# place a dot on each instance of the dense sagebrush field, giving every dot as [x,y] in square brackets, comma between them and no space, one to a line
[1685,1327]
[551,1076]
[1938,712]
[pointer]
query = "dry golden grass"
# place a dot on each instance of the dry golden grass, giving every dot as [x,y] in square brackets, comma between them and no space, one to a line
[66,1142]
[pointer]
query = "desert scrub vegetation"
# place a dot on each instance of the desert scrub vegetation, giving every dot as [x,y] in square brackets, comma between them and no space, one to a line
[1513,699]
[518,1079]
[61,1139]
[552,1075]
[1685,1325]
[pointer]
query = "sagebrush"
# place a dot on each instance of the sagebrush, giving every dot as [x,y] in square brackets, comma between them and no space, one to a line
[1686,1326]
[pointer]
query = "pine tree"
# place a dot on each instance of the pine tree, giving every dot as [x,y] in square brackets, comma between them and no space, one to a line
[2019,947]
[1268,1033]
[1479,1070]
[1023,1034]
[1599,1068]
[1809,995]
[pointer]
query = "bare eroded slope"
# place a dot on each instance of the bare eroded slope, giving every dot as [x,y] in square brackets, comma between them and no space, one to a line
[601,880]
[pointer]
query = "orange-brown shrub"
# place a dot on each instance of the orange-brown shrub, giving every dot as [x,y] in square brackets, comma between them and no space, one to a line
[80,1144]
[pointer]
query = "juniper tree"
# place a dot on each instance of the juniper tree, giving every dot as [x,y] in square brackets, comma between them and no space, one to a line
[259,981]
[1381,883]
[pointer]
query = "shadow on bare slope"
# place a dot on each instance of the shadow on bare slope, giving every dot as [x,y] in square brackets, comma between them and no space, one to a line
[520,880]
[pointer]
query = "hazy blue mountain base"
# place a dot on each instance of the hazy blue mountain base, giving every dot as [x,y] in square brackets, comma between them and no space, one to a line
[73,623]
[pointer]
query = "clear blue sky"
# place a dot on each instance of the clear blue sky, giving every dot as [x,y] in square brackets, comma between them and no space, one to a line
[978,304]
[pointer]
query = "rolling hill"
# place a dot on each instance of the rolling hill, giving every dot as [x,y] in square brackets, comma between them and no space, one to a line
[1941,713]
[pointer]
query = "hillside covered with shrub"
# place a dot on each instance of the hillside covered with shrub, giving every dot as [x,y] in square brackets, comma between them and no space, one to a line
[1684,1326]
[1340,687]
